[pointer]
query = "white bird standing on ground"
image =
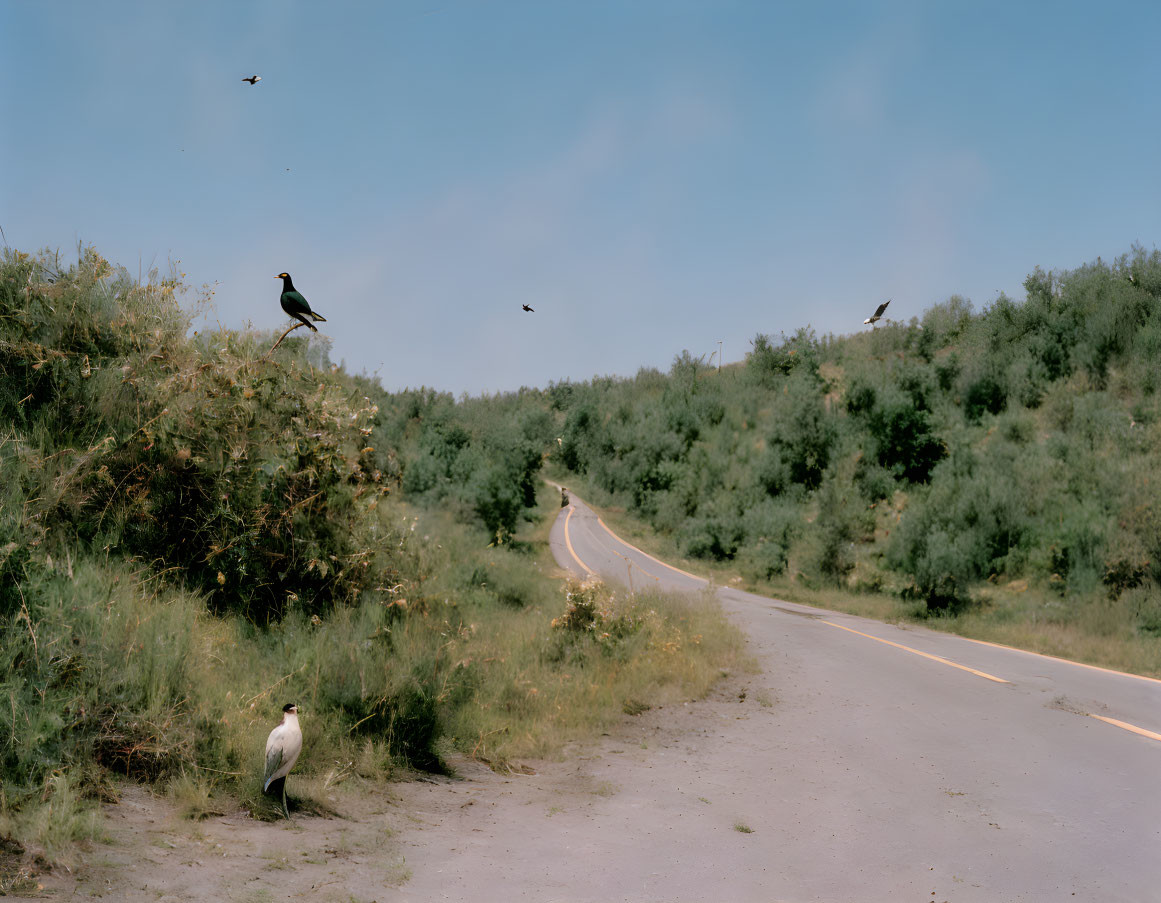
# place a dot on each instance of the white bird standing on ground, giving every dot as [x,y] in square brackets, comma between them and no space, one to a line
[282,749]
[878,314]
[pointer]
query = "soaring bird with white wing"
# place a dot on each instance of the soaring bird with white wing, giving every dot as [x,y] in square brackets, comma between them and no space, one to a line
[878,314]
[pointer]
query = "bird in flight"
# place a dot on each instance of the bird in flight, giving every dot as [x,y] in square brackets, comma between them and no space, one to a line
[295,304]
[527,308]
[253,79]
[878,314]
[282,749]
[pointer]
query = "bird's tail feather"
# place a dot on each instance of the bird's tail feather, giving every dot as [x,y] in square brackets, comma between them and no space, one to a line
[318,317]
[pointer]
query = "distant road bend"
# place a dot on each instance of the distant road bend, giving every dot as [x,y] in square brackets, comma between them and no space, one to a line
[901,763]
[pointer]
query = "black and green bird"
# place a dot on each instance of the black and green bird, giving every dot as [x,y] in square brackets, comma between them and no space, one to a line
[296,305]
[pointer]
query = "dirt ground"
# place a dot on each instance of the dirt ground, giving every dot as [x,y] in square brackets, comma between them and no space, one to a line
[845,769]
[477,836]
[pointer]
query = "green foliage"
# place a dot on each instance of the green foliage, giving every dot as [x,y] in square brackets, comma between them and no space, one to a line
[943,324]
[937,459]
[245,479]
[195,530]
[713,536]
[589,612]
[984,394]
[898,433]
[804,435]
[248,473]
[767,362]
[840,522]
[962,529]
[488,466]
[1005,441]
[774,526]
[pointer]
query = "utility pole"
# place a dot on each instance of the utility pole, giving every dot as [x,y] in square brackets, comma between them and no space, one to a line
[719,356]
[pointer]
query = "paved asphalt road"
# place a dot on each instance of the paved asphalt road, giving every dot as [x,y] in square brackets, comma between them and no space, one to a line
[904,764]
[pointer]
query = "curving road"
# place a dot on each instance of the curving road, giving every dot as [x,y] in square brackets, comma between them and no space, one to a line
[897,763]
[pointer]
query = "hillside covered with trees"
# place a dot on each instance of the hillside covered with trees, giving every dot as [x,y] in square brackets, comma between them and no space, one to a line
[195,529]
[999,462]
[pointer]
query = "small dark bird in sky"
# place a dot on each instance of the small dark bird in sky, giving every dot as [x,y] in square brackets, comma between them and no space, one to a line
[527,308]
[878,314]
[253,79]
[295,304]
[282,749]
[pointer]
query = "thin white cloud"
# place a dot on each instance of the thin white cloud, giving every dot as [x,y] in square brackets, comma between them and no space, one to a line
[939,193]
[854,89]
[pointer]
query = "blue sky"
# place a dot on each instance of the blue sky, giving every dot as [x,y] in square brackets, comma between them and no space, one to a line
[649,176]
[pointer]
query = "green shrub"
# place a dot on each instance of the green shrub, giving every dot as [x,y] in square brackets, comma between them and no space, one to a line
[943,567]
[804,435]
[899,434]
[766,363]
[983,394]
[593,613]
[841,521]
[764,559]
[1145,604]
[874,481]
[967,526]
[713,536]
[943,324]
[1077,548]
[497,501]
[245,471]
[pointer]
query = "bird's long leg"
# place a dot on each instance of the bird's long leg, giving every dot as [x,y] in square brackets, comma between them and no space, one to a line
[285,810]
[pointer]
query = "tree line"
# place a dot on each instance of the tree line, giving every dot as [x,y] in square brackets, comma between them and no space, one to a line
[920,458]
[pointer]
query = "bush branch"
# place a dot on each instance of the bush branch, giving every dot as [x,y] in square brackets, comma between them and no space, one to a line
[283,336]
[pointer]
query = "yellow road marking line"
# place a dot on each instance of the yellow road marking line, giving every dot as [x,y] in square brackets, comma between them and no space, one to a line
[1054,658]
[568,542]
[647,555]
[1126,726]
[934,658]
[632,564]
[1067,661]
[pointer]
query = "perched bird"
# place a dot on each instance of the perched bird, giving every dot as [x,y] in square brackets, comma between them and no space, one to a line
[296,305]
[253,79]
[527,308]
[877,315]
[282,749]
